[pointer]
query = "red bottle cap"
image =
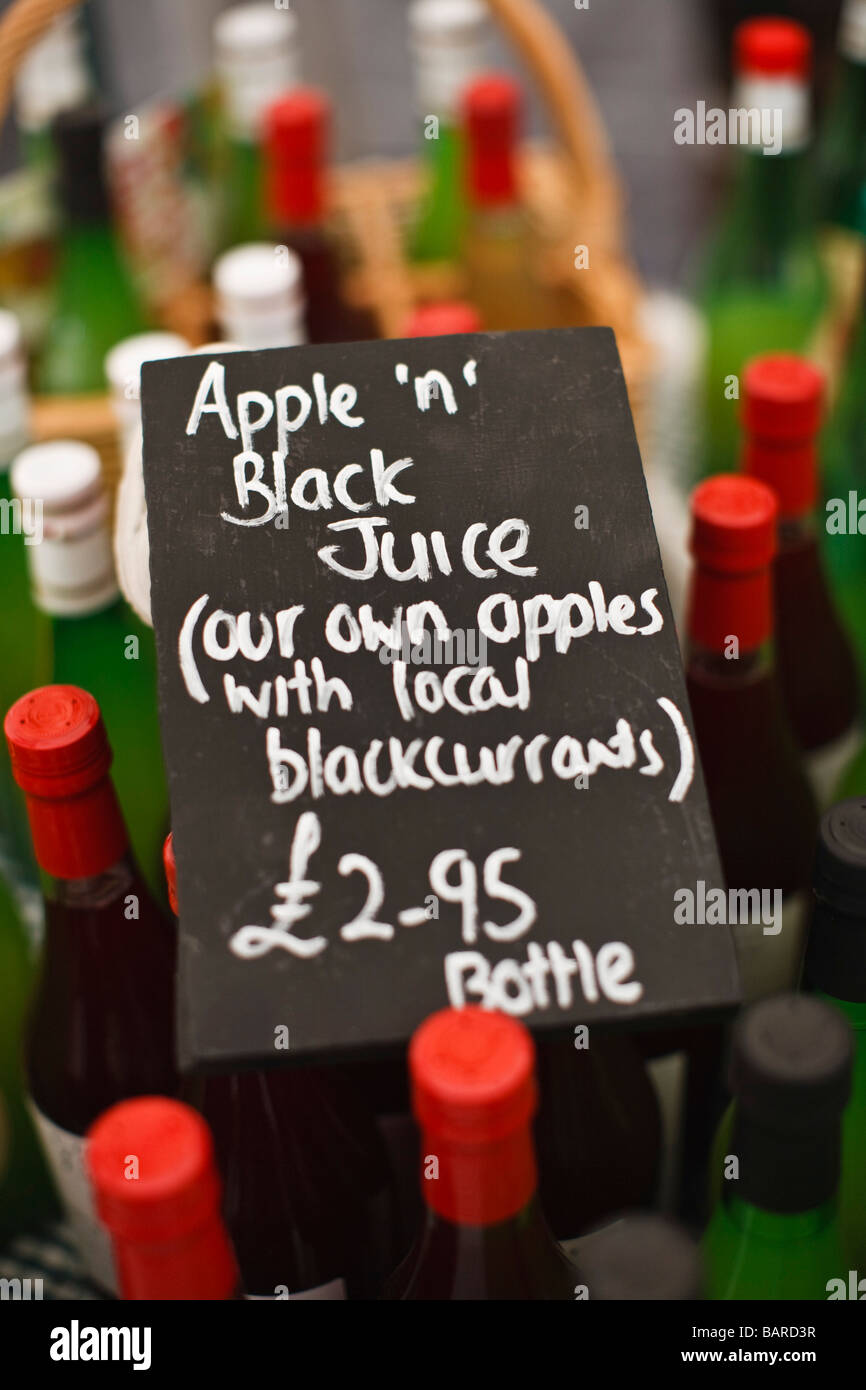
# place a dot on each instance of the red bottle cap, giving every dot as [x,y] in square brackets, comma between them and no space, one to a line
[170,865]
[773,47]
[783,398]
[438,320]
[151,1164]
[733,524]
[473,1090]
[60,758]
[733,542]
[296,152]
[491,110]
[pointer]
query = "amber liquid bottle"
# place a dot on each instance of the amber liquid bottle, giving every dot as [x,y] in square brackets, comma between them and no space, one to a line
[500,257]
[308,1194]
[484,1236]
[151,1166]
[296,160]
[101,1025]
[782,407]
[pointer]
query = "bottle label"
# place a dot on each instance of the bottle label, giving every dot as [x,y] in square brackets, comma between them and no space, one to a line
[825,766]
[335,1289]
[65,1154]
[852,31]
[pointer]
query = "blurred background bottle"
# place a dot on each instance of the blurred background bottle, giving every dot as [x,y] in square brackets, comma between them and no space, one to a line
[162,1214]
[835,969]
[448,40]
[763,286]
[842,172]
[499,254]
[782,408]
[101,1022]
[257,60]
[96,303]
[296,151]
[97,641]
[774,1233]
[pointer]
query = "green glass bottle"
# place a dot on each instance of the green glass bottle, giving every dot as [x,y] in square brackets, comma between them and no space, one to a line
[775,1234]
[25,634]
[96,303]
[98,642]
[843,533]
[448,39]
[835,968]
[257,61]
[763,286]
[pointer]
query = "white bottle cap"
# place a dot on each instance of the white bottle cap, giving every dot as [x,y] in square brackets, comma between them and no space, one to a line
[260,300]
[852,31]
[53,77]
[257,59]
[449,40]
[123,372]
[14,403]
[71,566]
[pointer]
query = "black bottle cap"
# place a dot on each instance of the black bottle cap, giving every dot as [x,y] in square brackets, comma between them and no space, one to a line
[78,136]
[836,952]
[641,1256]
[790,1072]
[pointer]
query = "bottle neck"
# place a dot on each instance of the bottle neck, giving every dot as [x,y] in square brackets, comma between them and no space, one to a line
[770,204]
[789,467]
[478,1184]
[785,1172]
[778,1228]
[199,1266]
[724,606]
[835,962]
[296,193]
[79,838]
[852,38]
[72,572]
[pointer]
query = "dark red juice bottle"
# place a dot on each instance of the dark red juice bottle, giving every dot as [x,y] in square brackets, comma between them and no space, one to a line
[308,1196]
[296,153]
[763,811]
[782,407]
[597,1132]
[101,1025]
[484,1235]
[156,1190]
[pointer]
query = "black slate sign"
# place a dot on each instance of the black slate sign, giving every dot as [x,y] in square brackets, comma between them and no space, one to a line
[422,701]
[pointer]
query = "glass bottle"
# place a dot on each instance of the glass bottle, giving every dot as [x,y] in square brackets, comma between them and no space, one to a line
[763,811]
[763,286]
[484,1235]
[259,296]
[499,252]
[98,642]
[782,406]
[96,301]
[774,1233]
[296,154]
[101,1024]
[156,1189]
[308,1196]
[257,60]
[448,39]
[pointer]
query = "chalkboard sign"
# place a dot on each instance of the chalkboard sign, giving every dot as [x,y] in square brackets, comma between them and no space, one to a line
[422,701]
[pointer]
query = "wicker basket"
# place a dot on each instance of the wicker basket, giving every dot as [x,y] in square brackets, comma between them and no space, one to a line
[571,190]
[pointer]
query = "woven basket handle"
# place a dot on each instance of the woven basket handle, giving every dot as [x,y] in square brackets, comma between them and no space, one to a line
[528,25]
